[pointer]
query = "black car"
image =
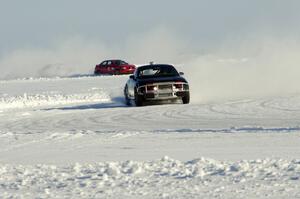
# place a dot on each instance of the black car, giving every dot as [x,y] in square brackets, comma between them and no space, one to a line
[156,82]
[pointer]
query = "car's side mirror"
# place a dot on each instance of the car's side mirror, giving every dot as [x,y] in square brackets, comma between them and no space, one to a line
[181,73]
[131,76]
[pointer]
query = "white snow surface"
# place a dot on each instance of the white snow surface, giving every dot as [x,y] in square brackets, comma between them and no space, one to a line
[75,138]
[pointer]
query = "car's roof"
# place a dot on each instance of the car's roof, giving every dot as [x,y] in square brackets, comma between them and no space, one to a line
[113,60]
[155,65]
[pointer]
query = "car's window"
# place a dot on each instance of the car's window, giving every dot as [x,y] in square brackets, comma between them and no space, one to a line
[157,71]
[103,63]
[118,62]
[148,72]
[123,63]
[109,63]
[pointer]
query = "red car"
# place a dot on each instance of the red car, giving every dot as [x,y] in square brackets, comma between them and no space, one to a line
[114,67]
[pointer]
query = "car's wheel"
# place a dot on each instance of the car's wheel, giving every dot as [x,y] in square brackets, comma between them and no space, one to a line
[186,99]
[96,73]
[138,99]
[127,100]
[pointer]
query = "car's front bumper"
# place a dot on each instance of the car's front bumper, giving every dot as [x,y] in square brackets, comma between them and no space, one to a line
[164,90]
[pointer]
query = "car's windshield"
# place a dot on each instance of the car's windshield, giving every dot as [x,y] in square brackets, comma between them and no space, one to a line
[157,71]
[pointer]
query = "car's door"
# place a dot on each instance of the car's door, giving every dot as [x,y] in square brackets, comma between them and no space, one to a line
[131,83]
[103,69]
[116,66]
[109,67]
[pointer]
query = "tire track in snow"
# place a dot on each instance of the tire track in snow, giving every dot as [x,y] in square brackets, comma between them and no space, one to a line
[235,130]
[288,104]
[116,116]
[112,115]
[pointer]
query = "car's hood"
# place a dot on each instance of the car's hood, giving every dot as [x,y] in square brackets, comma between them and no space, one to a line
[160,79]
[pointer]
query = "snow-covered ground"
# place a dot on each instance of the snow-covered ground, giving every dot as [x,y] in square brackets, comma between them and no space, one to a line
[75,138]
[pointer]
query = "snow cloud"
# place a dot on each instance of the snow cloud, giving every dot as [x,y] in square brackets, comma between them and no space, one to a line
[237,67]
[260,67]
[78,55]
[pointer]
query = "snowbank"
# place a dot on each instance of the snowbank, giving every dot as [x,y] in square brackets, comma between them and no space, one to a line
[164,178]
[50,99]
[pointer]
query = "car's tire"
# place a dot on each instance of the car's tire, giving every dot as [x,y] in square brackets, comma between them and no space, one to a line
[186,98]
[138,99]
[127,100]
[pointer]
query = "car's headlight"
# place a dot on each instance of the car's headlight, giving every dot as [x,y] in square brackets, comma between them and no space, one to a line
[152,88]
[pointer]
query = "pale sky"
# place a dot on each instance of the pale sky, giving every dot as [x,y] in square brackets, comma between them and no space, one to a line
[38,23]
